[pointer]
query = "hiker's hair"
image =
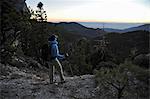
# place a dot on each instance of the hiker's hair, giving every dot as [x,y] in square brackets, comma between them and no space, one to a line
[52,38]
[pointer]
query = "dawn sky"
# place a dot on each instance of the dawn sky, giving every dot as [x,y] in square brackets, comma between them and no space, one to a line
[136,11]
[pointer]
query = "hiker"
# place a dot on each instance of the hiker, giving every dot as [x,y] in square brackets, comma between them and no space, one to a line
[55,57]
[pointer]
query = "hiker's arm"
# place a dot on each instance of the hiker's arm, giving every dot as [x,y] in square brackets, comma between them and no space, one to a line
[59,55]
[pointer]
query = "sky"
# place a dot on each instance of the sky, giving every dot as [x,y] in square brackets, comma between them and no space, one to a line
[127,11]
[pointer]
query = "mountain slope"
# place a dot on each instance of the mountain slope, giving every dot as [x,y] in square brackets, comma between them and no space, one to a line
[113,30]
[78,29]
[122,44]
[145,27]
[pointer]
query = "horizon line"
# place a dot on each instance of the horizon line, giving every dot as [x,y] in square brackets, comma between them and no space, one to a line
[100,22]
[57,20]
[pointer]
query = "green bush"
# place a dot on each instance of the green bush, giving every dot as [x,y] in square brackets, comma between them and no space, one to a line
[142,60]
[126,80]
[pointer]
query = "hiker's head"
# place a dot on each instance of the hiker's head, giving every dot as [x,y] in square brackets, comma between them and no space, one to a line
[53,37]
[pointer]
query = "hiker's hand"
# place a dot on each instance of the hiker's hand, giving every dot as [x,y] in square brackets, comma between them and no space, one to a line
[66,55]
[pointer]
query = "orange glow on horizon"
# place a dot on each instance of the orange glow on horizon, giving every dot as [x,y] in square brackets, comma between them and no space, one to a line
[116,11]
[105,21]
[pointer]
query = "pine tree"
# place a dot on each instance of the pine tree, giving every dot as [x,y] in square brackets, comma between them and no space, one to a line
[40,13]
[39,33]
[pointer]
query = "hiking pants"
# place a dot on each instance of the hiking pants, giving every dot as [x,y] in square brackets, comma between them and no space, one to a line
[57,65]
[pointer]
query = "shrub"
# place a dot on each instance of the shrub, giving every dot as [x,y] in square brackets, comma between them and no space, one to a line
[126,80]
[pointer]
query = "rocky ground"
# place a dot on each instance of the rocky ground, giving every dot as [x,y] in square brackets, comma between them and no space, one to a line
[30,83]
[18,83]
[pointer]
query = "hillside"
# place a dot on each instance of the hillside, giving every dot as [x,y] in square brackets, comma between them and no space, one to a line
[25,78]
[121,45]
[145,27]
[112,30]
[77,29]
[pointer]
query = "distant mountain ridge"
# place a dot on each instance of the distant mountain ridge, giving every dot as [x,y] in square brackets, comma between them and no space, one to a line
[78,29]
[145,27]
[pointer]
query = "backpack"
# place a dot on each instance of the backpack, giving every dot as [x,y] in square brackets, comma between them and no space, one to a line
[46,52]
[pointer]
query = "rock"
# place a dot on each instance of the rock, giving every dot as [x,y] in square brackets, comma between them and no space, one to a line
[20,5]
